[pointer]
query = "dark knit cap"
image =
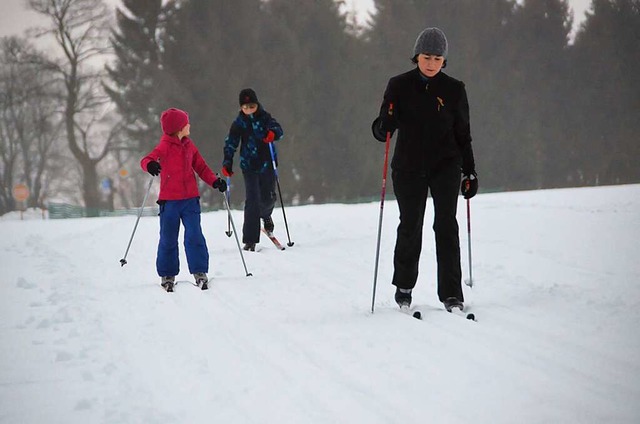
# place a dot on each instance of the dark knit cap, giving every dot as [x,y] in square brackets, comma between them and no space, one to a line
[173,120]
[431,41]
[247,96]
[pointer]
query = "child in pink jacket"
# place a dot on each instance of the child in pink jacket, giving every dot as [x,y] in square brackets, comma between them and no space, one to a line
[177,160]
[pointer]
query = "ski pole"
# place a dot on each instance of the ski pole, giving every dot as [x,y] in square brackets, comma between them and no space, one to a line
[382,193]
[123,261]
[228,194]
[275,170]
[469,282]
[233,225]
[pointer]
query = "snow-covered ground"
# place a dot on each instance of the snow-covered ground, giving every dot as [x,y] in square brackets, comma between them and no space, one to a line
[556,295]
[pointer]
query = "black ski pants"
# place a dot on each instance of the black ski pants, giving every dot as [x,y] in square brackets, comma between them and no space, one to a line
[411,190]
[260,192]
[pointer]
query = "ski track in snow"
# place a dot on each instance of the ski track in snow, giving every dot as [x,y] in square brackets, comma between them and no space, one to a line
[556,297]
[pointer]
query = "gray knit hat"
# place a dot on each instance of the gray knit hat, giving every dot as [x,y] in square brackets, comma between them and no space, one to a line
[431,41]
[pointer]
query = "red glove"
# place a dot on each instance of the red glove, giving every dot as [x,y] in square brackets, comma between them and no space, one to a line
[227,172]
[270,137]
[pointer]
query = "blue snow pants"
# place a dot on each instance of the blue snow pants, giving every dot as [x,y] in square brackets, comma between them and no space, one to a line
[195,245]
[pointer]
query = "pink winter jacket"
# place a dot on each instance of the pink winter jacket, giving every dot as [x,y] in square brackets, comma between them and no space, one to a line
[178,159]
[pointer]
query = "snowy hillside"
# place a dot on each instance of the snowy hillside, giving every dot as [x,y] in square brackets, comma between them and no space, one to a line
[557,297]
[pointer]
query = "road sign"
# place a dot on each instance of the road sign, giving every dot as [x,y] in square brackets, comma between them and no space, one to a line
[105,185]
[20,192]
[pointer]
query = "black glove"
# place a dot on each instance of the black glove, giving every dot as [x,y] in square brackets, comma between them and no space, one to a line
[381,126]
[220,184]
[469,185]
[153,168]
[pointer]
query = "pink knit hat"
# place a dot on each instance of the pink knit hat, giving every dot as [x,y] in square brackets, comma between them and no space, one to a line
[173,120]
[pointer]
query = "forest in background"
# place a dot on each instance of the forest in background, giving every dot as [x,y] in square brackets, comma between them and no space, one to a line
[545,112]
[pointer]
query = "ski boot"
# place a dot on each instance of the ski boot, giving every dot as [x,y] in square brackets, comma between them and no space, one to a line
[453,302]
[403,297]
[268,225]
[202,280]
[251,247]
[168,282]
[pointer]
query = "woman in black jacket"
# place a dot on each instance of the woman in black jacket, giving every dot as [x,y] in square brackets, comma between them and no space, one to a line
[432,154]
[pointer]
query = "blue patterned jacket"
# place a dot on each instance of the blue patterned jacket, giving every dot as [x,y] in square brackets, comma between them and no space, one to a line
[247,131]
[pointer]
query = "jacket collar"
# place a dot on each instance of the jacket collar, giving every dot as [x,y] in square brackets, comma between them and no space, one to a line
[259,113]
[425,78]
[174,139]
[422,81]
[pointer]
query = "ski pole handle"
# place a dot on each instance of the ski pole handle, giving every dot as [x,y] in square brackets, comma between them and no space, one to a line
[273,159]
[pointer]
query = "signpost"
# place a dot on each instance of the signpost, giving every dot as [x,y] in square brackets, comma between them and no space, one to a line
[21,194]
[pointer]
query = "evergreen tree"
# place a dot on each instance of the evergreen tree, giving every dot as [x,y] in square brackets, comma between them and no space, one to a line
[315,63]
[535,85]
[324,84]
[136,83]
[212,51]
[477,36]
[606,54]
[134,74]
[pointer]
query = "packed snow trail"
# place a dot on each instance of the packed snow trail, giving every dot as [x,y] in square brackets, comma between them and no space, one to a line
[86,340]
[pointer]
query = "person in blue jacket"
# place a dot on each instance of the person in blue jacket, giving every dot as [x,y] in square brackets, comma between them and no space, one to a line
[255,131]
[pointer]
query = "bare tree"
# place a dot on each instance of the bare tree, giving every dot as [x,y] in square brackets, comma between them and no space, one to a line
[80,30]
[29,124]
[41,148]
[9,147]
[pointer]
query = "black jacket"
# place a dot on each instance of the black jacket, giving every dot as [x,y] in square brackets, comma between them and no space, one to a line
[432,118]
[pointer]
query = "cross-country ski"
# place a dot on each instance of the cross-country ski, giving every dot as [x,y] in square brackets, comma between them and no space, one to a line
[273,239]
